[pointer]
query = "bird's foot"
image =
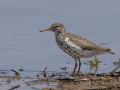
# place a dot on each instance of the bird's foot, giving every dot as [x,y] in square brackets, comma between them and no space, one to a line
[75,75]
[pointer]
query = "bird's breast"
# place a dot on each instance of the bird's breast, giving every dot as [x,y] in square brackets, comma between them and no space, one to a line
[72,49]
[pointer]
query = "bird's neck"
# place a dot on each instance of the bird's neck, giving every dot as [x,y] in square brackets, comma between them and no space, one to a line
[60,31]
[57,35]
[60,34]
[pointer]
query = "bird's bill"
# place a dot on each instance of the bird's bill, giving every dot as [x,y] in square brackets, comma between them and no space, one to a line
[48,29]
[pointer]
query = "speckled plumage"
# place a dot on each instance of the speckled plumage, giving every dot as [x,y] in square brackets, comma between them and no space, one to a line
[75,46]
[84,48]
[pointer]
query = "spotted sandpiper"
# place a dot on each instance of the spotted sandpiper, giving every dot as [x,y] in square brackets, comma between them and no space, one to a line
[75,46]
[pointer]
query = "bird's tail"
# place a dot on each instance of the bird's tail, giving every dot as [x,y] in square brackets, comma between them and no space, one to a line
[110,52]
[107,50]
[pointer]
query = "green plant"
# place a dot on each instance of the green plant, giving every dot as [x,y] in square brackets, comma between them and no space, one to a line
[94,64]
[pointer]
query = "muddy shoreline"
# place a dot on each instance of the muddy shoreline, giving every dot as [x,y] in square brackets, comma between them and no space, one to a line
[60,81]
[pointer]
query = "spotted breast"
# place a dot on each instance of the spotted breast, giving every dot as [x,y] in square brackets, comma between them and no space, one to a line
[73,50]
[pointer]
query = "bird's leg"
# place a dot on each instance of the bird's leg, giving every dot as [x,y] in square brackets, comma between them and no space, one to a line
[75,66]
[79,66]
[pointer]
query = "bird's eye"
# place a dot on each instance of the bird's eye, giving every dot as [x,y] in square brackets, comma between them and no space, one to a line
[56,26]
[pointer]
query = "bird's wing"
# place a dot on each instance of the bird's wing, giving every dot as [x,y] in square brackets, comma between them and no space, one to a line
[84,43]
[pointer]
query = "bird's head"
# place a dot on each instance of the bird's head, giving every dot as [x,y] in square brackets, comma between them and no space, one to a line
[57,28]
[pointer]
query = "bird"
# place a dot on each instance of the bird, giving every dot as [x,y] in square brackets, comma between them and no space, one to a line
[75,46]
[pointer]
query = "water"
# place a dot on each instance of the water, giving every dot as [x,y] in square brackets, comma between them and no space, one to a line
[23,46]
